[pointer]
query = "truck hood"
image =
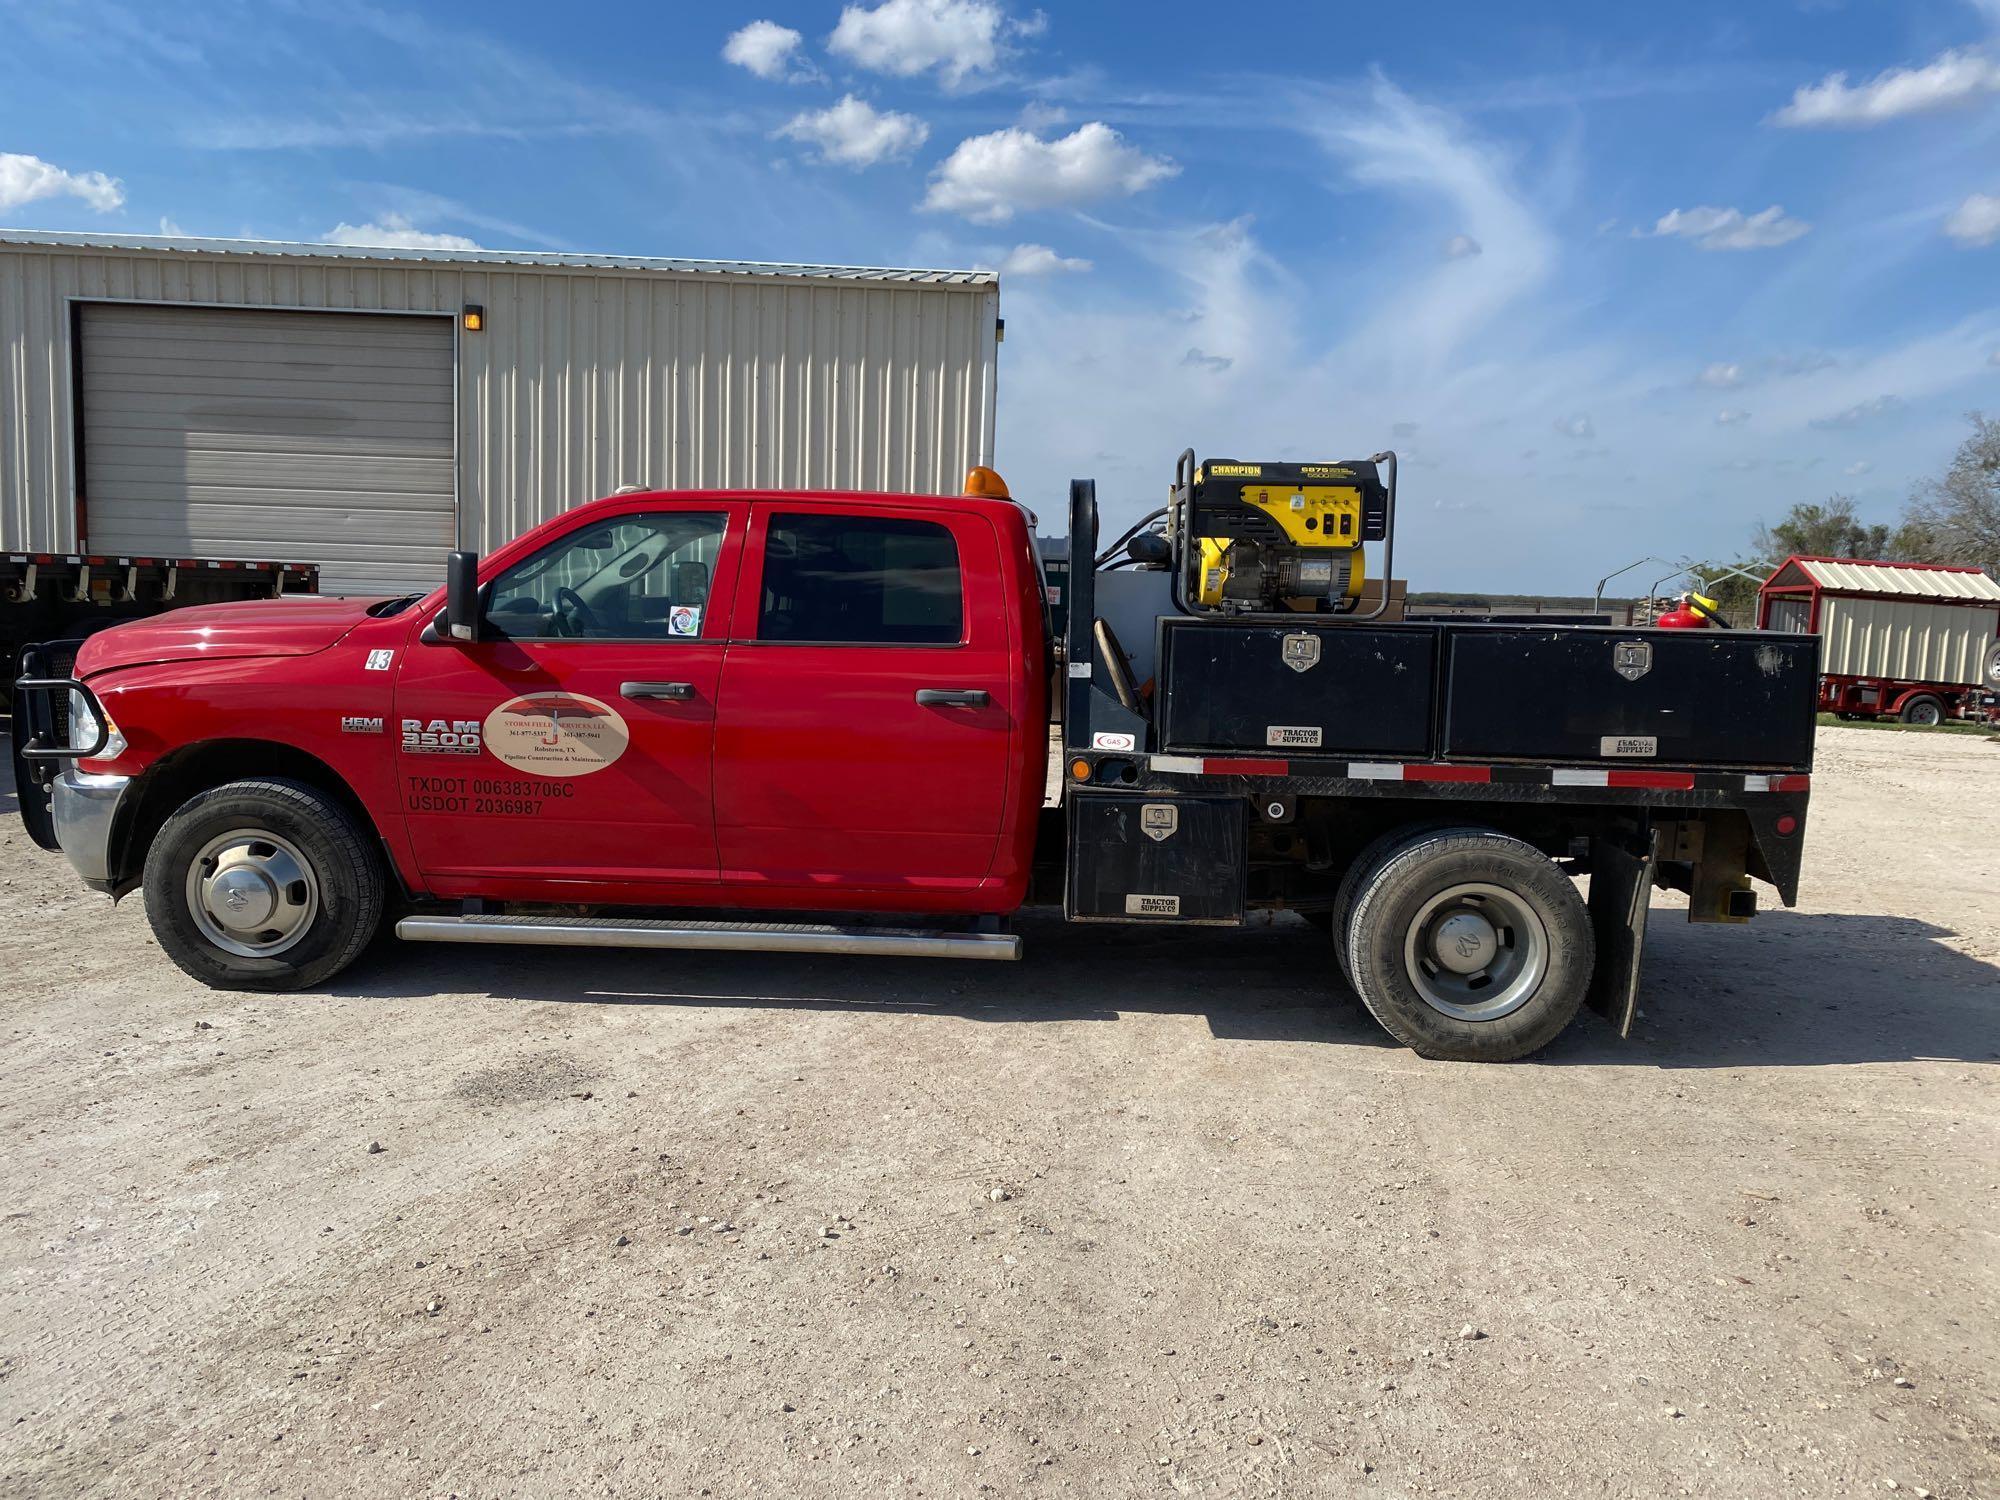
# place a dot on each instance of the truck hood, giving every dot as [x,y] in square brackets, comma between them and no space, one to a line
[296,626]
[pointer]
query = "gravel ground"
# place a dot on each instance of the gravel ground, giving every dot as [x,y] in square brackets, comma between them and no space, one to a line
[1145,1215]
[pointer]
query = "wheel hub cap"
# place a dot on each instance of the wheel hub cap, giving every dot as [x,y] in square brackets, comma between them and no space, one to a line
[1465,942]
[252,893]
[1476,951]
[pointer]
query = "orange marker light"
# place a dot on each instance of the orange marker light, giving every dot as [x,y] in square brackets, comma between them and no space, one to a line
[474,317]
[980,480]
[1080,769]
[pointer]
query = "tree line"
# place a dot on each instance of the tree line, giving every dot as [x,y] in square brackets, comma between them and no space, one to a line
[1953,517]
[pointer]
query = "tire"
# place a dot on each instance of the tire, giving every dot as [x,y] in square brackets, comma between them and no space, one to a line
[1359,872]
[1453,887]
[1923,709]
[273,852]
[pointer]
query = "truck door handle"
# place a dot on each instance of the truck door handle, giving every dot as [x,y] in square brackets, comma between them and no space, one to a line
[679,691]
[953,697]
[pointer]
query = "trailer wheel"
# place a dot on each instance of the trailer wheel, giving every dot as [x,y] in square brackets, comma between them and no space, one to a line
[1923,709]
[1469,945]
[263,885]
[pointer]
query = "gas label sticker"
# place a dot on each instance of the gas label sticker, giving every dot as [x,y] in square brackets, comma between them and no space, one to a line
[1629,746]
[440,736]
[684,619]
[1152,906]
[556,734]
[1293,736]
[1159,821]
[1104,740]
[380,661]
[1079,669]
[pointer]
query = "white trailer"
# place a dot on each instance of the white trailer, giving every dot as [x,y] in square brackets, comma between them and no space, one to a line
[1917,642]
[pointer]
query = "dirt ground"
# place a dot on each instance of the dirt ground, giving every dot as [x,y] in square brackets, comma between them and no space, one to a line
[727,1225]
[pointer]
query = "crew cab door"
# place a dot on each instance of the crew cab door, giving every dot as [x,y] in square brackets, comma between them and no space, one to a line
[868,715]
[565,754]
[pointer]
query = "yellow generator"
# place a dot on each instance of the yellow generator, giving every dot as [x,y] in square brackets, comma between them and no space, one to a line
[1261,538]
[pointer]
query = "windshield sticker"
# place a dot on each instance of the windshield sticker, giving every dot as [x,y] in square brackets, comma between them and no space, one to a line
[381,661]
[684,619]
[556,734]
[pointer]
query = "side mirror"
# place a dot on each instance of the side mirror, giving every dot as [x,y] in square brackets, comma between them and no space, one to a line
[461,593]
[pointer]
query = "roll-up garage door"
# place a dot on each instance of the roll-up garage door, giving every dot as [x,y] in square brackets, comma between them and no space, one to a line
[271,436]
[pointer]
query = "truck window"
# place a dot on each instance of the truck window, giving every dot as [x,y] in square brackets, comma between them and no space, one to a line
[861,580]
[641,577]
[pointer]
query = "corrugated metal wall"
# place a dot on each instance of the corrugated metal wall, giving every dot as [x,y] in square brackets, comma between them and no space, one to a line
[581,382]
[1908,639]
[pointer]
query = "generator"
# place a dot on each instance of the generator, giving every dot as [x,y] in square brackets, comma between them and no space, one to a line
[1276,538]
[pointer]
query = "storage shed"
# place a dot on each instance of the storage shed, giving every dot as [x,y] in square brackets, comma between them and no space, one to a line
[1909,622]
[367,410]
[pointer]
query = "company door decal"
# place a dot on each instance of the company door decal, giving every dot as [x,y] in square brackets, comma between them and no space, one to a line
[556,734]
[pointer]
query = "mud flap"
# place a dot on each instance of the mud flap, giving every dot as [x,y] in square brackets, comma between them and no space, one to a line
[1621,891]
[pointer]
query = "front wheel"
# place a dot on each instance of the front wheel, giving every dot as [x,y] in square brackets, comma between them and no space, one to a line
[1470,946]
[263,885]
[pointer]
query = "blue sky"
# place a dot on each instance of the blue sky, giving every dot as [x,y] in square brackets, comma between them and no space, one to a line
[1615,279]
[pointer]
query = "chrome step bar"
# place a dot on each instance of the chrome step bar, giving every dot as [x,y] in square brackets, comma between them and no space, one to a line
[730,937]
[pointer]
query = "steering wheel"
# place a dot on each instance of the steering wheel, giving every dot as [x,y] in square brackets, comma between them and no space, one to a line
[570,605]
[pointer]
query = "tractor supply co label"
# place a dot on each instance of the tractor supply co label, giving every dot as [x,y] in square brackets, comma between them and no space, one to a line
[1629,746]
[556,734]
[1152,906]
[1293,736]
[484,796]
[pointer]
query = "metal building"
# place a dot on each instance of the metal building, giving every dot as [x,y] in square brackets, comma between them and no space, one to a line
[367,410]
[1916,622]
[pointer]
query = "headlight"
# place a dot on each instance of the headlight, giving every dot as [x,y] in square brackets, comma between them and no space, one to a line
[83,730]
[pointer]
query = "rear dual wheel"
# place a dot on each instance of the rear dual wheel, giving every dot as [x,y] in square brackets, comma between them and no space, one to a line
[1463,943]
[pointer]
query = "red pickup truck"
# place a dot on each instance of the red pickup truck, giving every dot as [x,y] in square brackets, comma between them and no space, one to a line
[821,722]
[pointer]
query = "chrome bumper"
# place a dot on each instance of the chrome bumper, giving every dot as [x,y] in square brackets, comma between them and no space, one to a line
[85,806]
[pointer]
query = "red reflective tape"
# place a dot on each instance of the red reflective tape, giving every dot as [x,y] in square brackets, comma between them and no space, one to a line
[1791,783]
[1673,781]
[1246,767]
[1447,773]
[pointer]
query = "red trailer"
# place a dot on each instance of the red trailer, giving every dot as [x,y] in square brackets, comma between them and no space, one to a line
[1918,642]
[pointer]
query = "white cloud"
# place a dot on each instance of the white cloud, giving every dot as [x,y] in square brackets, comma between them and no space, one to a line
[989,178]
[1721,376]
[766,49]
[1731,228]
[26,179]
[1976,221]
[1953,78]
[1861,411]
[1994,357]
[1214,363]
[1038,260]
[1730,416]
[169,228]
[395,233]
[1859,467]
[908,37]
[1459,246]
[1579,426]
[853,133]
[1429,156]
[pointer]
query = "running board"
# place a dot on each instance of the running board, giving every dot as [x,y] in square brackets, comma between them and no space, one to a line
[732,937]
